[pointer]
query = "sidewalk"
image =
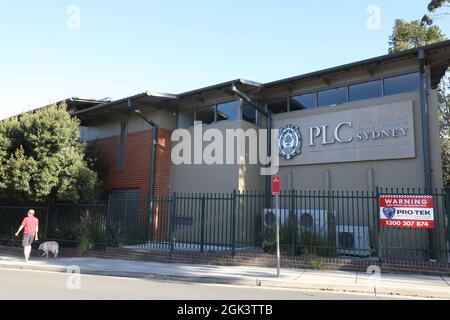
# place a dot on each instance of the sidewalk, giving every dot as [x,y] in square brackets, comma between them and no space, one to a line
[339,281]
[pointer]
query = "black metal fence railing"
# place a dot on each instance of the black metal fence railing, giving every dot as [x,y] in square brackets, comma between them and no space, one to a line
[329,224]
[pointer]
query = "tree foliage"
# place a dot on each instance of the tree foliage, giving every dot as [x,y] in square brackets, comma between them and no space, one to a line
[42,158]
[444,126]
[432,7]
[407,35]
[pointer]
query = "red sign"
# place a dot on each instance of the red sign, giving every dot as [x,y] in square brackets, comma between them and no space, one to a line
[276,188]
[399,211]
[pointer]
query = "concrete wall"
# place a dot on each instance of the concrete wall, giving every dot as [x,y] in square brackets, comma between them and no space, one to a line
[365,175]
[222,178]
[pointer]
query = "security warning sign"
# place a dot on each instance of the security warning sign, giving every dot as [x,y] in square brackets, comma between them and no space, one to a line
[402,211]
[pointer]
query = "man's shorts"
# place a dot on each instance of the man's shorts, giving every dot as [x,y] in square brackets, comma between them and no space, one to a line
[27,240]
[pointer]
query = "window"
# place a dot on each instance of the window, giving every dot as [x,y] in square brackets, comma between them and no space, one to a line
[365,90]
[122,138]
[206,115]
[248,113]
[228,111]
[305,101]
[186,119]
[332,96]
[278,106]
[401,84]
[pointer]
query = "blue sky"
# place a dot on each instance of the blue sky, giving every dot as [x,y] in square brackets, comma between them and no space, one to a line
[127,47]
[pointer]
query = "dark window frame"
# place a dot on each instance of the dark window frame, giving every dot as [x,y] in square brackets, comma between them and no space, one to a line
[122,144]
[213,108]
[396,76]
[277,100]
[380,80]
[238,109]
[314,93]
[345,87]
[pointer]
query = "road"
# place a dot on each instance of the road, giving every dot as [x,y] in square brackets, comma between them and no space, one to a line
[25,285]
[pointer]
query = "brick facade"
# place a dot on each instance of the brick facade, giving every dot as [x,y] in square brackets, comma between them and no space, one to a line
[135,173]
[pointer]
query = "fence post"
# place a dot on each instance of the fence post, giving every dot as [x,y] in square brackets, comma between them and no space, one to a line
[171,216]
[46,223]
[233,224]
[447,210]
[150,218]
[108,231]
[379,227]
[202,222]
[293,220]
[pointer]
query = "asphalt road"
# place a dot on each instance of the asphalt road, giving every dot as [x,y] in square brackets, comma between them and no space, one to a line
[25,285]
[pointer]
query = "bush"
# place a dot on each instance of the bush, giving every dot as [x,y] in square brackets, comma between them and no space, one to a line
[116,235]
[92,231]
[307,242]
[317,265]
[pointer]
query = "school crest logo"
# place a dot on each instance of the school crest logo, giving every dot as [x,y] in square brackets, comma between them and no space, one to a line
[389,212]
[289,141]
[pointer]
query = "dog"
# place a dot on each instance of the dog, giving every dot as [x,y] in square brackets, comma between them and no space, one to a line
[50,246]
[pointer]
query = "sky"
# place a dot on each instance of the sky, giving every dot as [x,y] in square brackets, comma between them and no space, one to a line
[55,49]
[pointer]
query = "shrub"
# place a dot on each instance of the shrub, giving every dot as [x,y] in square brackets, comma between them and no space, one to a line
[116,235]
[92,231]
[307,242]
[317,265]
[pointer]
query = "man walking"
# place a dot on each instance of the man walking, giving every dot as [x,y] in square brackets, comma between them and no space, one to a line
[30,224]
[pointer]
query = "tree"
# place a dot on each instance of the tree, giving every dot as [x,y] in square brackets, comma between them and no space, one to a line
[432,7]
[42,158]
[407,35]
[444,126]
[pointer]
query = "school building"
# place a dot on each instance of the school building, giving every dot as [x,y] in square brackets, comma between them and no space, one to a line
[367,124]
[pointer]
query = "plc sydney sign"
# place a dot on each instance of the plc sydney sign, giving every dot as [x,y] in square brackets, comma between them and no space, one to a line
[371,133]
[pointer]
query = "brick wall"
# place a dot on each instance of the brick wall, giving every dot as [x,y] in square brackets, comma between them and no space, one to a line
[135,173]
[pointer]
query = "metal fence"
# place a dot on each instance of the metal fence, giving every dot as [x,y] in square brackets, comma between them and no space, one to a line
[329,224]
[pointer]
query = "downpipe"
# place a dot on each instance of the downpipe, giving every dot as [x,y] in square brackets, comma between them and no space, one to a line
[133,107]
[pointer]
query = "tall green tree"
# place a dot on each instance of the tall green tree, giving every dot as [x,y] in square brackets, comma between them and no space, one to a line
[433,6]
[407,35]
[42,158]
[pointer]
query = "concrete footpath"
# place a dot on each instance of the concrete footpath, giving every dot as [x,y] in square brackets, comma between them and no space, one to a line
[338,281]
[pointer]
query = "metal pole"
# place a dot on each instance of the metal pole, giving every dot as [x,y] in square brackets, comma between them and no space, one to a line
[46,223]
[233,224]
[379,227]
[172,213]
[277,208]
[202,230]
[447,209]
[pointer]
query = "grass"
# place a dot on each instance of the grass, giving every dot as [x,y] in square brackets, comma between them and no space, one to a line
[317,265]
[307,243]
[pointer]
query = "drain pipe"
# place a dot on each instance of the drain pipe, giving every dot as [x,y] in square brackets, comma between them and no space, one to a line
[247,99]
[133,107]
[426,139]
[425,125]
